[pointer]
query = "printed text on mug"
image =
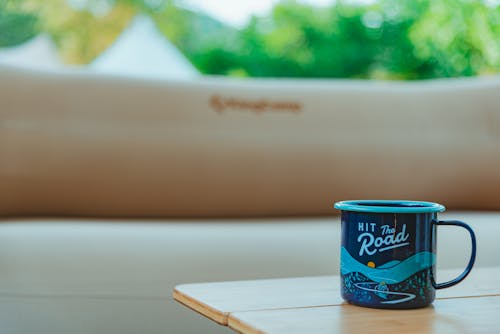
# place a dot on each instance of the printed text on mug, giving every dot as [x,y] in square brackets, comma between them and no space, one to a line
[388,238]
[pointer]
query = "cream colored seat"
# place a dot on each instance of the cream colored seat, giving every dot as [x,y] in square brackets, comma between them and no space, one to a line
[80,144]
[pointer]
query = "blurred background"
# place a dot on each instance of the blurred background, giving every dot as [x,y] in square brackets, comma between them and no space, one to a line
[368,39]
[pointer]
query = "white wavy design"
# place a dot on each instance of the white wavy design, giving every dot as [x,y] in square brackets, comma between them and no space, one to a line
[408,296]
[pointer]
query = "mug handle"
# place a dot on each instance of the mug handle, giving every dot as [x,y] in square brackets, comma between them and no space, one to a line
[472,255]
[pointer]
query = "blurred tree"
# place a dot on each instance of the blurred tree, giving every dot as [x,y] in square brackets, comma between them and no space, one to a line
[388,39]
[196,35]
[81,34]
[16,26]
[460,38]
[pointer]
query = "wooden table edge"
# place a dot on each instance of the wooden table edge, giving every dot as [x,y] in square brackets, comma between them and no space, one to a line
[234,323]
[201,308]
[240,326]
[226,318]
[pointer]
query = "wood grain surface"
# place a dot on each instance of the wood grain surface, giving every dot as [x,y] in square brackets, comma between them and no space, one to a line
[455,315]
[314,305]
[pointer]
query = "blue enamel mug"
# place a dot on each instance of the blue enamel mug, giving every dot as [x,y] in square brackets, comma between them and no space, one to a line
[388,253]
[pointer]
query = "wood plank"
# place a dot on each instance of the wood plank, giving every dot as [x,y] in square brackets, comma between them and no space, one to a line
[460,315]
[217,300]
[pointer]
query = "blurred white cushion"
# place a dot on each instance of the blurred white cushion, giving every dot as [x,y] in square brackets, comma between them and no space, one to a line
[92,145]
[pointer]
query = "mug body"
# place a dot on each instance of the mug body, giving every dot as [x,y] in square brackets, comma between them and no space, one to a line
[388,253]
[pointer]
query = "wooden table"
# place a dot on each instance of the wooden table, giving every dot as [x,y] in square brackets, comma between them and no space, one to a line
[314,305]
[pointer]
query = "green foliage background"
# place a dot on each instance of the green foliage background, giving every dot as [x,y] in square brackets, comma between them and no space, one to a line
[390,39]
